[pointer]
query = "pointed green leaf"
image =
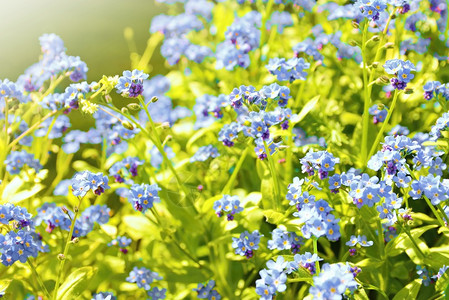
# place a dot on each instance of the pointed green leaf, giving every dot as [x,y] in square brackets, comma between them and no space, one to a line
[76,283]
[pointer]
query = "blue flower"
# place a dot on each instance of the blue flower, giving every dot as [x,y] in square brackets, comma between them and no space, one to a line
[131,83]
[143,277]
[82,182]
[143,196]
[207,291]
[16,160]
[157,294]
[204,153]
[229,206]
[246,243]
[104,296]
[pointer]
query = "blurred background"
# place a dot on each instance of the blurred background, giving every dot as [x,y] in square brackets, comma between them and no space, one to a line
[90,29]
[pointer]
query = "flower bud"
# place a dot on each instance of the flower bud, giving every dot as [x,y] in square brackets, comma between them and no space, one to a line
[375,65]
[127,125]
[355,25]
[277,139]
[353,43]
[108,98]
[75,240]
[125,110]
[375,38]
[383,80]
[133,106]
[389,46]
[65,210]
[408,91]
[154,99]
[165,125]
[61,256]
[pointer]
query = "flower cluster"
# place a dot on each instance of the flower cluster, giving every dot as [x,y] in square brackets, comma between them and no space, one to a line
[288,70]
[334,280]
[16,160]
[321,162]
[204,153]
[163,110]
[436,89]
[379,113]
[284,240]
[9,89]
[371,9]
[54,216]
[82,182]
[209,108]
[131,83]
[175,30]
[123,169]
[207,291]
[402,72]
[432,187]
[104,296]
[273,279]
[143,196]
[246,243]
[143,277]
[280,20]
[242,37]
[122,242]
[54,61]
[20,241]
[229,206]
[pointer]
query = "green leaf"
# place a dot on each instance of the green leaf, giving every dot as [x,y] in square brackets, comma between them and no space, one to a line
[306,109]
[360,294]
[4,284]
[301,275]
[273,217]
[76,283]
[410,291]
[403,242]
[442,283]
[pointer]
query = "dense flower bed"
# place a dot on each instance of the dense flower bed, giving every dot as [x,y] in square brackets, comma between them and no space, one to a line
[295,149]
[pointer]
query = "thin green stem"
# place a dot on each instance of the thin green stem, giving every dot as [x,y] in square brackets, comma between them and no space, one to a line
[227,188]
[315,251]
[384,124]
[435,212]
[32,128]
[445,216]
[407,231]
[66,248]
[158,144]
[39,279]
[380,233]
[367,100]
[277,200]
[379,47]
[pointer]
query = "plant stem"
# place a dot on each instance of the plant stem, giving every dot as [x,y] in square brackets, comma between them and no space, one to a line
[407,231]
[367,100]
[445,216]
[315,251]
[39,279]
[435,212]
[277,200]
[66,248]
[380,233]
[159,146]
[30,129]
[227,188]
[384,124]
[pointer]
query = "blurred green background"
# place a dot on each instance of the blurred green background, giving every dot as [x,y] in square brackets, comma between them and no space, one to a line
[91,29]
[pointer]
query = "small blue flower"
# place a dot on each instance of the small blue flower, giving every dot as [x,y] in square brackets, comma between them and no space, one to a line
[143,277]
